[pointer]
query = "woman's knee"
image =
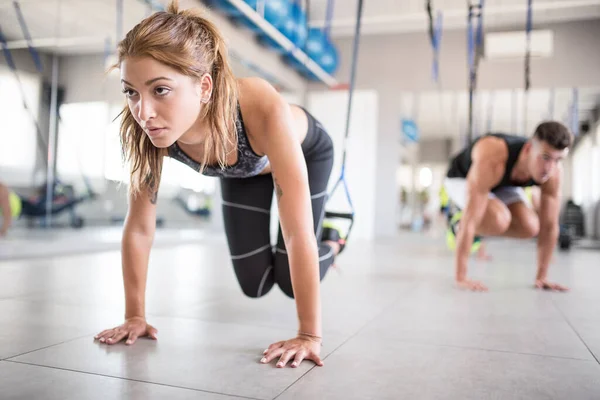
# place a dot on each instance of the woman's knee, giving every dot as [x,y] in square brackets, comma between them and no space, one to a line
[254,282]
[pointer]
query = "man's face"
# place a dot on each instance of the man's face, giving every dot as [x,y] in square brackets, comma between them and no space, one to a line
[543,160]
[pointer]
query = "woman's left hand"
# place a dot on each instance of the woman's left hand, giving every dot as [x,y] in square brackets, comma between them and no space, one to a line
[298,349]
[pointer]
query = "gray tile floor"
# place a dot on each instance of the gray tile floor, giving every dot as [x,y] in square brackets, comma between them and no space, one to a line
[395,327]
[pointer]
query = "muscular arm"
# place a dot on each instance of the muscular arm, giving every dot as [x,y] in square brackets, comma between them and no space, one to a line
[549,229]
[489,157]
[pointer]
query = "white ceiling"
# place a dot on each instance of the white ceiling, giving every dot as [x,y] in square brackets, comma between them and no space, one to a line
[94,20]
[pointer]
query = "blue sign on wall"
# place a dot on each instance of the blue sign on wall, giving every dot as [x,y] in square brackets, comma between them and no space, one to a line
[410,131]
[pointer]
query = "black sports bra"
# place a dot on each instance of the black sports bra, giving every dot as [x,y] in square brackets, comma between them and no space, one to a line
[248,162]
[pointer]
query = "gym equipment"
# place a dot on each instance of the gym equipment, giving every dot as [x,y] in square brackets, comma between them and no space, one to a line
[273,11]
[572,225]
[342,178]
[435,36]
[551,101]
[225,7]
[329,59]
[194,203]
[528,28]
[295,26]
[63,200]
[573,122]
[490,112]
[475,52]
[319,47]
[315,43]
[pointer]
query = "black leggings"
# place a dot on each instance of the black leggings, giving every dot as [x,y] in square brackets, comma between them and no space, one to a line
[247,218]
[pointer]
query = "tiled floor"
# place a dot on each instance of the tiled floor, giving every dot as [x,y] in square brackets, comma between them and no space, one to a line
[395,327]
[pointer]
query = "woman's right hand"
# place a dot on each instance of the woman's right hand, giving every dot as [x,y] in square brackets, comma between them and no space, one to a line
[132,329]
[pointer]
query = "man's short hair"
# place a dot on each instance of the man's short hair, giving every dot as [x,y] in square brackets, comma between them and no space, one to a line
[555,134]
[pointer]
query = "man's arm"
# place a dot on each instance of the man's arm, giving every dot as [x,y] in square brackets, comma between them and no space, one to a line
[5,208]
[489,157]
[549,230]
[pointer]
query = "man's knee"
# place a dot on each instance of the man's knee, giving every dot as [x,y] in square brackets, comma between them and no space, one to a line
[530,226]
[500,220]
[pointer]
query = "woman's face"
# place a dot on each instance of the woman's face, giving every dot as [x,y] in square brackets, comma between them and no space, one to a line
[164,102]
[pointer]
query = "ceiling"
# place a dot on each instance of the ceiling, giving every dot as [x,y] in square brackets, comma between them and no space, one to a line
[84,25]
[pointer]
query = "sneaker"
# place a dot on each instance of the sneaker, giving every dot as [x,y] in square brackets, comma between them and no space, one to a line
[333,233]
[452,231]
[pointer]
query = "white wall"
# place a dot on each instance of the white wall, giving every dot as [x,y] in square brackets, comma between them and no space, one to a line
[330,108]
[585,176]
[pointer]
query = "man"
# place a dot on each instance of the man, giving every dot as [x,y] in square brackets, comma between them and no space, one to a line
[485,181]
[10,207]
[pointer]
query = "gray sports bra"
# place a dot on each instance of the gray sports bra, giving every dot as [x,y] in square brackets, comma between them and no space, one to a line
[248,162]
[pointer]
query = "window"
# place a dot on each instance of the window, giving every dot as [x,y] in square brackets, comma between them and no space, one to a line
[19,139]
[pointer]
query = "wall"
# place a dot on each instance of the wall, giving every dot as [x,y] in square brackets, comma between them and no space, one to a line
[435,150]
[330,109]
[395,64]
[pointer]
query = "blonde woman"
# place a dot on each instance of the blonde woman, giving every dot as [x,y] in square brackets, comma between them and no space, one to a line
[184,102]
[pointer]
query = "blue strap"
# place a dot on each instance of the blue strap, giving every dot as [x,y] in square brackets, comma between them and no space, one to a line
[471,64]
[528,28]
[474,47]
[119,20]
[342,177]
[490,112]
[551,101]
[6,51]
[328,18]
[529,15]
[108,49]
[470,44]
[437,39]
[479,38]
[575,112]
[34,54]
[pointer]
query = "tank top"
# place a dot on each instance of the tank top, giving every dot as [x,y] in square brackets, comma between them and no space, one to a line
[248,162]
[461,163]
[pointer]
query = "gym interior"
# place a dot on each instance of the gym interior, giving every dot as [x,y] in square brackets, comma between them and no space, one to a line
[401,87]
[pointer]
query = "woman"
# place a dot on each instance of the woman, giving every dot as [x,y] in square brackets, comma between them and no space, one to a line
[184,102]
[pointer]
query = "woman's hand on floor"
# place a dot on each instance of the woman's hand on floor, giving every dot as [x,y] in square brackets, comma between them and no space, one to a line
[132,329]
[297,349]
